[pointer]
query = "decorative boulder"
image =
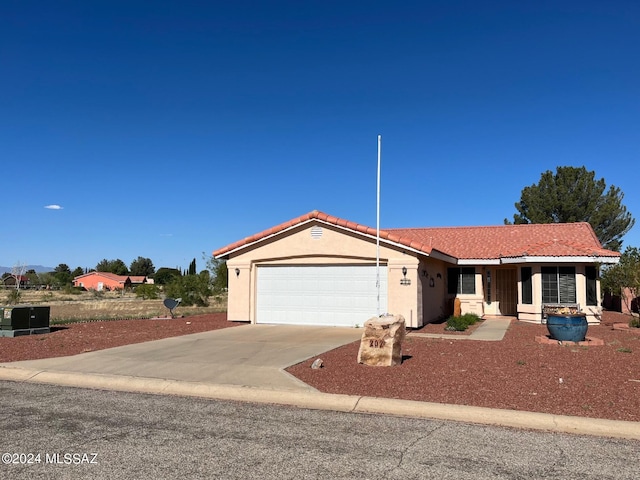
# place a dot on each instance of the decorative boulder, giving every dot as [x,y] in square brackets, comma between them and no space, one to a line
[381,344]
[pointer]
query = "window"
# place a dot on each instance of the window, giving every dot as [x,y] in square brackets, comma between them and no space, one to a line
[592,275]
[527,287]
[461,280]
[558,285]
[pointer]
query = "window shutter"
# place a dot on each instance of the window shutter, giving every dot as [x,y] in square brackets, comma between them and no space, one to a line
[567,284]
[592,276]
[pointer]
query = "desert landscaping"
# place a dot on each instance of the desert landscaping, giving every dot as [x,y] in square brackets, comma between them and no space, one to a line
[518,373]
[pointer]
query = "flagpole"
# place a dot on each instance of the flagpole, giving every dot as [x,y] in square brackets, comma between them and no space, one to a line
[378,228]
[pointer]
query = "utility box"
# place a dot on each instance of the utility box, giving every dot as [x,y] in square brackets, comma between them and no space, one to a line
[39,317]
[26,319]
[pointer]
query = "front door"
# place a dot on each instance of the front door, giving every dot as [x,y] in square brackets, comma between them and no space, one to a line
[506,291]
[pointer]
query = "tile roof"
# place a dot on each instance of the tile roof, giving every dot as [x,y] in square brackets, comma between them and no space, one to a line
[323,217]
[504,241]
[482,243]
[112,276]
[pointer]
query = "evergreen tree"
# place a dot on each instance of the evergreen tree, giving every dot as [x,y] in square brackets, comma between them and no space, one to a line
[574,195]
[192,267]
[113,266]
[62,274]
[165,275]
[142,267]
[77,272]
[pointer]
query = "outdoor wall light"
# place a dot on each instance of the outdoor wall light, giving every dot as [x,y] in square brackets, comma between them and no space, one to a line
[237,272]
[404,280]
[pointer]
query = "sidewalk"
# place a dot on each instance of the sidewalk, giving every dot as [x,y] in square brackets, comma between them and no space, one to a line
[492,329]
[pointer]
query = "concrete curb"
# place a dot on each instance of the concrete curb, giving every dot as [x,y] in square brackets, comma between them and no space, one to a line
[334,402]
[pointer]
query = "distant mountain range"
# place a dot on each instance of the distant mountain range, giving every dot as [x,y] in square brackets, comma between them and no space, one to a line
[37,268]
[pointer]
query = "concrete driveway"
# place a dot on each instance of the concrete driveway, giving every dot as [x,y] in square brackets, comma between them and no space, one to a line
[248,355]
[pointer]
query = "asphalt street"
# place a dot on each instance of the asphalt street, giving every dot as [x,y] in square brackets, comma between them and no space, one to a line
[49,431]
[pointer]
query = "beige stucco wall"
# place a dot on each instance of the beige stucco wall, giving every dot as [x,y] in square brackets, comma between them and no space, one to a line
[533,312]
[526,312]
[469,303]
[423,300]
[433,291]
[335,246]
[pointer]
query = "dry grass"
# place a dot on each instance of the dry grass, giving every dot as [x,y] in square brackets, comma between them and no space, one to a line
[88,306]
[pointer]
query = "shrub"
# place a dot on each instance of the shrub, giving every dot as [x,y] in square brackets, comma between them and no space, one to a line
[634,322]
[193,289]
[97,293]
[71,290]
[147,291]
[461,323]
[14,297]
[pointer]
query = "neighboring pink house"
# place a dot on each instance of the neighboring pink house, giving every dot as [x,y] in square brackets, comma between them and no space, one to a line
[318,269]
[107,281]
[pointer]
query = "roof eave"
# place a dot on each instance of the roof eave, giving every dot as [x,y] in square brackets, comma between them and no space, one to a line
[478,261]
[560,259]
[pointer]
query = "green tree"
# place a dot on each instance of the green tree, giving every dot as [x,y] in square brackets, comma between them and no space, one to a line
[165,275]
[219,274]
[112,266]
[624,275]
[48,279]
[62,274]
[142,266]
[573,194]
[192,267]
[221,278]
[147,291]
[77,272]
[193,289]
[34,278]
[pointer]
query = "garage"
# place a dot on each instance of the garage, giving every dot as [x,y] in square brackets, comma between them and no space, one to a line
[333,295]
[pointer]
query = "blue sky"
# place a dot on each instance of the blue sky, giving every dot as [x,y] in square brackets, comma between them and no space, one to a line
[167,129]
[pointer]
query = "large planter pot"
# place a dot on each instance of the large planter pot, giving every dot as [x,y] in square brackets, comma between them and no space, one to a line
[567,328]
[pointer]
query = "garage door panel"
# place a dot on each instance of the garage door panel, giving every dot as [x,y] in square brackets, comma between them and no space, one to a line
[319,295]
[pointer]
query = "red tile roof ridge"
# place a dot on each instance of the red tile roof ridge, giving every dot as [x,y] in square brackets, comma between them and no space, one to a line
[480,247]
[474,227]
[113,276]
[316,214]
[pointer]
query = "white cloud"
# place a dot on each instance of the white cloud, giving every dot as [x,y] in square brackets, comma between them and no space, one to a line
[53,207]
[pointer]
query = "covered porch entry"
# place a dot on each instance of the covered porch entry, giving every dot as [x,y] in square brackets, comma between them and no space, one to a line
[501,291]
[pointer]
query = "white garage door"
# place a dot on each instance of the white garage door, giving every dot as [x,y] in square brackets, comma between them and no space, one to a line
[319,295]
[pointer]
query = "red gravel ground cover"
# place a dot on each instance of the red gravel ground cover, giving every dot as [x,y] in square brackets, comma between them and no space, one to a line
[516,373]
[77,338]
